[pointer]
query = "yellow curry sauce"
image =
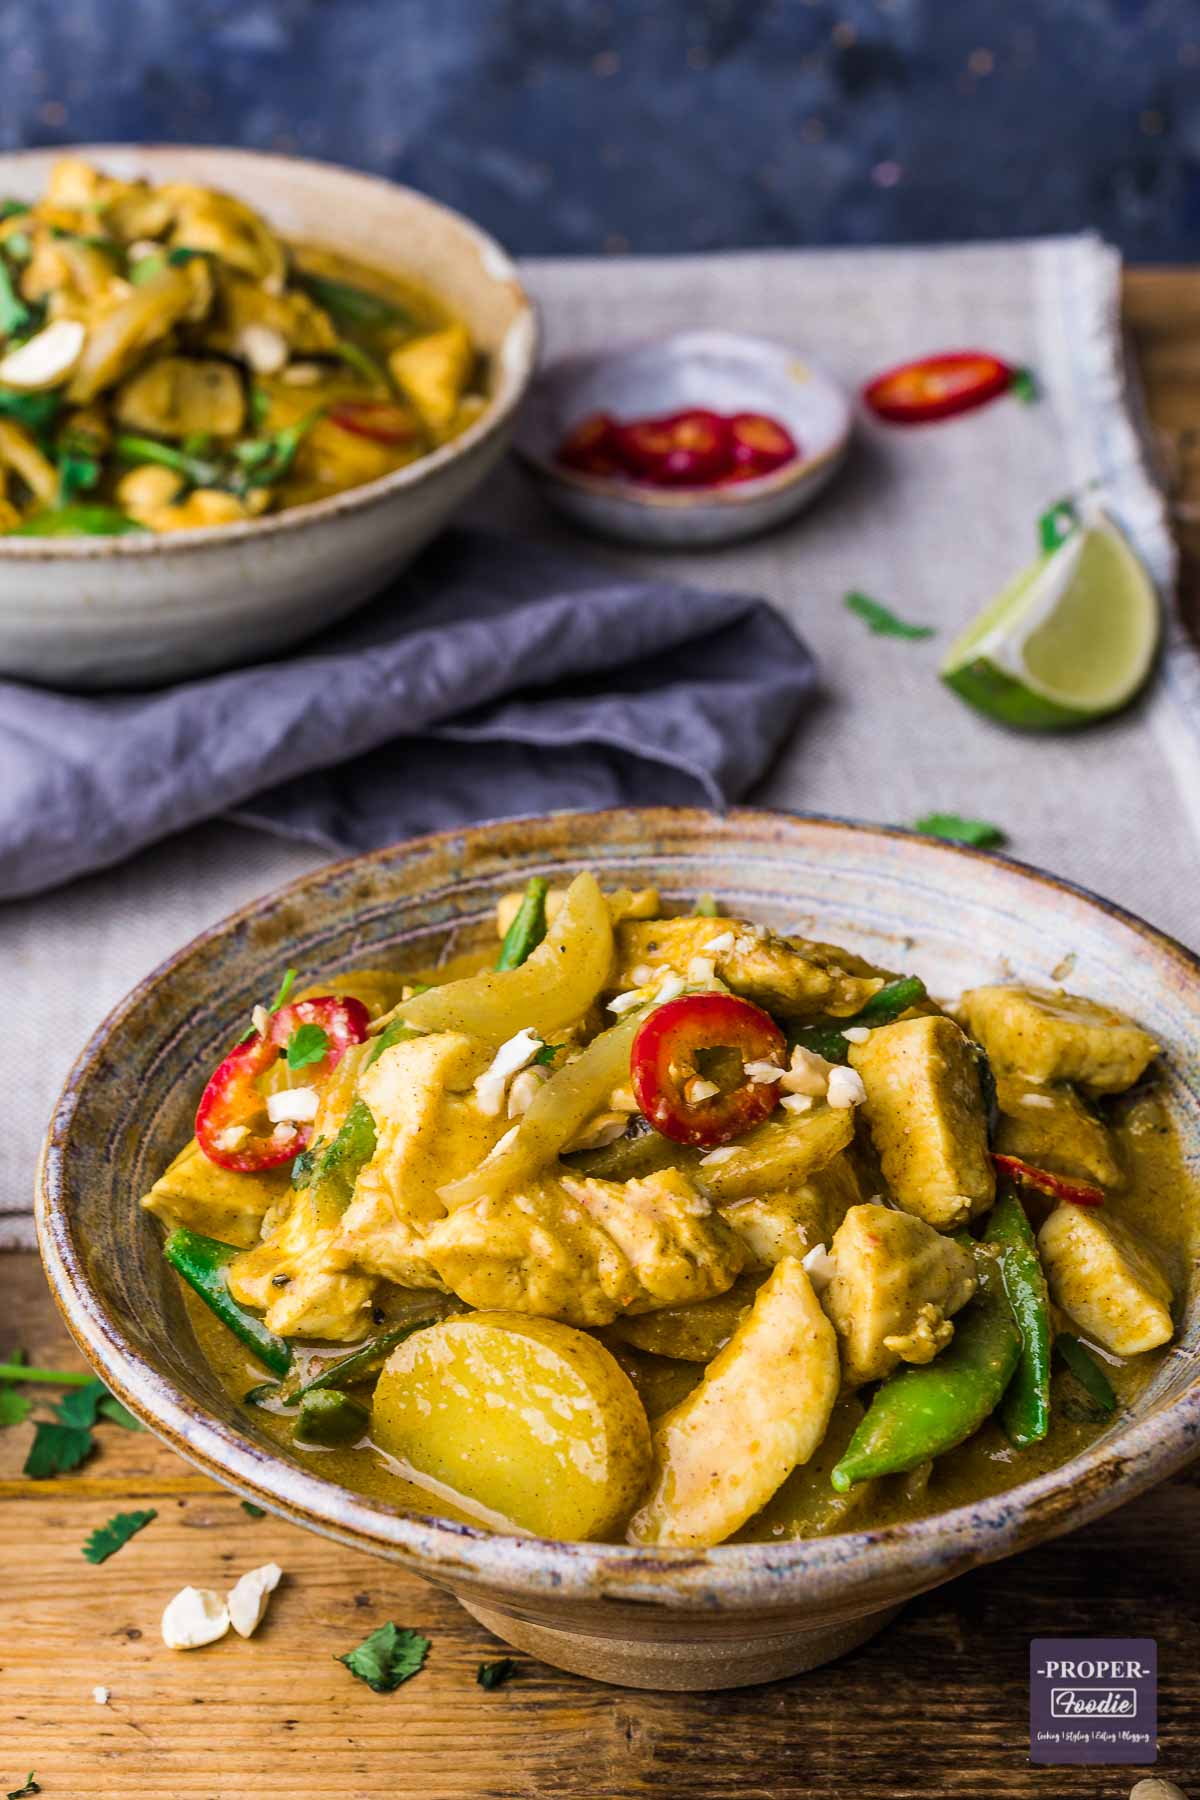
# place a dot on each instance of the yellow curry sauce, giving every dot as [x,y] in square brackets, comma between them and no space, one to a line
[167,362]
[1149,1197]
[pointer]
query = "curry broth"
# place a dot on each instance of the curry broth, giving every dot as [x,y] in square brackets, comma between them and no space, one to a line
[1157,1199]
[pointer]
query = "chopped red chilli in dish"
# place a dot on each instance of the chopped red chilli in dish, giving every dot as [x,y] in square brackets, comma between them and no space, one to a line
[693,448]
[238,1125]
[1055,1187]
[679,1098]
[377,420]
[938,387]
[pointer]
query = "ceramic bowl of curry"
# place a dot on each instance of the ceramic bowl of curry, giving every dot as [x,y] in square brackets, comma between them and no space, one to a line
[193,482]
[769,1602]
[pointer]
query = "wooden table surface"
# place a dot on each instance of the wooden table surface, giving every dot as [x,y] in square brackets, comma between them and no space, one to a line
[937,1705]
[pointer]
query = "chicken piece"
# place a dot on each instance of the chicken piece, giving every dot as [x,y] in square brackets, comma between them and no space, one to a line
[175,396]
[304,327]
[584,1250]
[221,1203]
[204,507]
[788,976]
[896,1284]
[761,1411]
[304,1285]
[1051,1127]
[430,1131]
[791,1221]
[1054,1036]
[228,229]
[623,903]
[433,371]
[1109,1283]
[127,210]
[925,1111]
[784,1152]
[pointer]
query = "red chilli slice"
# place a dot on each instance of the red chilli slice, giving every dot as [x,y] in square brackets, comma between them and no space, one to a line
[663,1062]
[938,387]
[683,449]
[1055,1187]
[234,1100]
[760,444]
[377,420]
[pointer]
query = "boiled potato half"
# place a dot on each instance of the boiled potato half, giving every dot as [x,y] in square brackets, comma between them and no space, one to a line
[530,1419]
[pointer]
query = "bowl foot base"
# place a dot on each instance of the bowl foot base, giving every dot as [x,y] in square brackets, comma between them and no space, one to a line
[683,1664]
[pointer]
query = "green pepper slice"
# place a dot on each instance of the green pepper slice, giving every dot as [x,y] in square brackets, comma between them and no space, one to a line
[204,1263]
[78,521]
[828,1039]
[330,1419]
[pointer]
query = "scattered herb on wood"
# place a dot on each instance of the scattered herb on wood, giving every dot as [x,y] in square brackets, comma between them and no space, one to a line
[107,1539]
[253,1512]
[307,1044]
[112,1410]
[31,1787]
[882,621]
[57,1449]
[956,830]
[1025,387]
[387,1658]
[14,1407]
[495,1674]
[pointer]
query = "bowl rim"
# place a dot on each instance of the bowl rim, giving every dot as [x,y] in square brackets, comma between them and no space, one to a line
[637,495]
[865,1568]
[515,367]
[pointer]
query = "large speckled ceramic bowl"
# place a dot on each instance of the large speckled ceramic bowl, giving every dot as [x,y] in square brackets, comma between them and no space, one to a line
[649,1618]
[136,610]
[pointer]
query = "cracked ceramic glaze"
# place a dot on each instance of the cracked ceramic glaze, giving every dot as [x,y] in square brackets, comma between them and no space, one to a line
[658,1618]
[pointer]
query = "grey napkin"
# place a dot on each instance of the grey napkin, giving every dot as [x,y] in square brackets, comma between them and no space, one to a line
[495,678]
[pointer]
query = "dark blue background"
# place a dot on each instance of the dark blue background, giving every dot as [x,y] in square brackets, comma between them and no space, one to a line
[585,125]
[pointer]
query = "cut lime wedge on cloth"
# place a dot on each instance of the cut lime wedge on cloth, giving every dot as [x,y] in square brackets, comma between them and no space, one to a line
[1070,639]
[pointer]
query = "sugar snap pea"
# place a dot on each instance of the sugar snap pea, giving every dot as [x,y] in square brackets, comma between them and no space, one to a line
[922,1412]
[528,927]
[1025,1409]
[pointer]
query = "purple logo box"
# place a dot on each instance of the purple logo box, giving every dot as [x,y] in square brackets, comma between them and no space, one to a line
[1093,1700]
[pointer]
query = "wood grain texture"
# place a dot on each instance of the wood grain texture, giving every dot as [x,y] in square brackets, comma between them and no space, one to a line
[937,1705]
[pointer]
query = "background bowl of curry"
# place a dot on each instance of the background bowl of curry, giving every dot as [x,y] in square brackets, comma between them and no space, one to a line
[95,612]
[745,1611]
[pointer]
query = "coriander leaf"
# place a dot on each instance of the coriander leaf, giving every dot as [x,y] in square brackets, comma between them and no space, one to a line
[14,1407]
[1025,387]
[79,1407]
[253,1512]
[882,621]
[9,209]
[957,830]
[705,907]
[112,1410]
[31,1787]
[1057,523]
[304,1164]
[307,1044]
[14,314]
[495,1674]
[387,1658]
[285,988]
[106,1540]
[546,1054]
[57,1449]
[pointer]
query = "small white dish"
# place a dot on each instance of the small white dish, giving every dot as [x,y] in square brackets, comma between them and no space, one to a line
[722,371]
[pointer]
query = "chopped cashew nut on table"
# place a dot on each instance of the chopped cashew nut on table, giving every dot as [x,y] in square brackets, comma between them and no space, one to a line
[667,1227]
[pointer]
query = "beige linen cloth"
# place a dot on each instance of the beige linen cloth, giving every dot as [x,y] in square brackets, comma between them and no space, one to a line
[932,522]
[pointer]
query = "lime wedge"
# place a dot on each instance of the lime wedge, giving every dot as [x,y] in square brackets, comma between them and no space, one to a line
[1071,638]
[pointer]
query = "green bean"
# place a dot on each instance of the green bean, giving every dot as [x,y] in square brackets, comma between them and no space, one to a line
[528,928]
[367,1360]
[1025,1409]
[204,1264]
[922,1412]
[351,305]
